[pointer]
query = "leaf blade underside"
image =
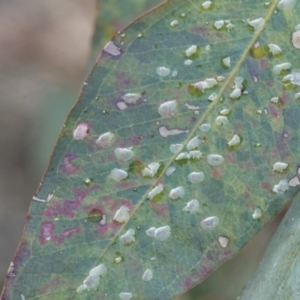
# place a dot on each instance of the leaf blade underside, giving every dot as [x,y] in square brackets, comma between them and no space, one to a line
[148,91]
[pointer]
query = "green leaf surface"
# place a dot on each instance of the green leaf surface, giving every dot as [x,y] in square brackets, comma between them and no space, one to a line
[278,275]
[120,214]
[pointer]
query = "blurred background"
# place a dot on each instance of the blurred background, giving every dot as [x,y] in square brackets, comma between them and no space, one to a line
[47,49]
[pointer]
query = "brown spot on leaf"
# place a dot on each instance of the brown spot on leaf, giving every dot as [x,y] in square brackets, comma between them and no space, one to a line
[136,167]
[95,215]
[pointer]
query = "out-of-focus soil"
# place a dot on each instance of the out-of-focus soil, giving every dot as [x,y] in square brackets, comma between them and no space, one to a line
[44,46]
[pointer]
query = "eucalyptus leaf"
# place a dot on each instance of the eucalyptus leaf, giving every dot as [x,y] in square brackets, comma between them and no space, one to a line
[183,145]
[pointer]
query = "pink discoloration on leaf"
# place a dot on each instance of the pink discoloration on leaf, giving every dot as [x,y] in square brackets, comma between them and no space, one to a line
[70,231]
[270,154]
[80,194]
[57,240]
[205,32]
[135,140]
[65,207]
[247,194]
[230,157]
[252,69]
[108,228]
[119,202]
[106,199]
[60,239]
[269,83]
[108,158]
[282,145]
[215,254]
[227,254]
[205,272]
[22,255]
[123,80]
[266,186]
[160,209]
[217,174]
[284,98]
[46,232]
[67,166]
[196,276]
[53,284]
[125,185]
[6,290]
[189,282]
[273,110]
[248,165]
[202,31]
[263,63]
